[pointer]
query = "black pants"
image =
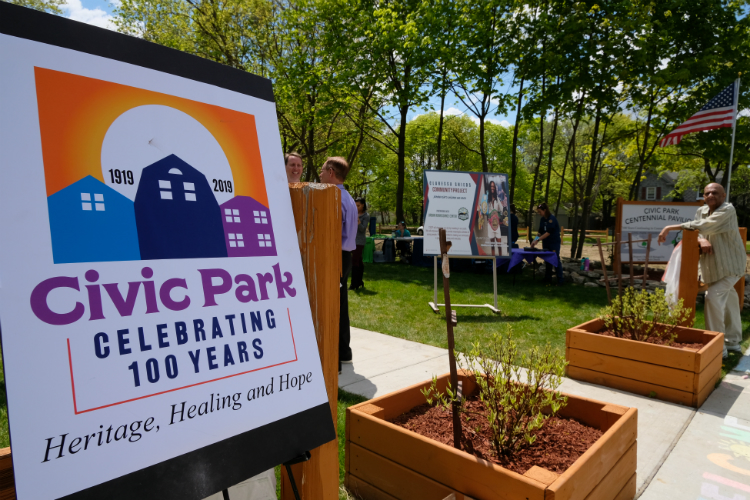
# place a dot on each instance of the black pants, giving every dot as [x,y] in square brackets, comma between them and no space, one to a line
[358,267]
[405,248]
[558,269]
[345,352]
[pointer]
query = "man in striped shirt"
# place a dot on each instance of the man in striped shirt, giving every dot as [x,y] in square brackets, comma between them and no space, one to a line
[722,263]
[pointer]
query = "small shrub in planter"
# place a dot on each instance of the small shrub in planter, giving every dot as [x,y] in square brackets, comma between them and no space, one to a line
[645,317]
[515,410]
[639,344]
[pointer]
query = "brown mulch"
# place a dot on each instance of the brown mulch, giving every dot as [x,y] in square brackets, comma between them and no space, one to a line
[657,341]
[558,443]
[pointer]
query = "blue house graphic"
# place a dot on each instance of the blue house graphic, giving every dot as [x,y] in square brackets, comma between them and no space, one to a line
[176,213]
[91,222]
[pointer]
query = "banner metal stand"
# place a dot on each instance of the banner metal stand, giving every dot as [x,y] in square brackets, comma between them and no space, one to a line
[304,457]
[434,304]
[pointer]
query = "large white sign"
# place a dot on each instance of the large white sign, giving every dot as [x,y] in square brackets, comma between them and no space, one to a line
[152,296]
[643,219]
[471,207]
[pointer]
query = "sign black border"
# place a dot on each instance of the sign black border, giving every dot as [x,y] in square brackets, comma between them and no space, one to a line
[208,470]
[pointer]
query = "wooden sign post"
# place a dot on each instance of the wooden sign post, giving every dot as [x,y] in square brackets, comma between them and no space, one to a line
[450,321]
[688,290]
[317,217]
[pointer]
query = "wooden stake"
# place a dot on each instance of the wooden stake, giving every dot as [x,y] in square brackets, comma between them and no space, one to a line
[445,246]
[618,271]
[630,256]
[604,270]
[645,265]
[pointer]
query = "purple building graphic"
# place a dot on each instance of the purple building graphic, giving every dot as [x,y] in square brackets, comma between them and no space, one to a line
[248,231]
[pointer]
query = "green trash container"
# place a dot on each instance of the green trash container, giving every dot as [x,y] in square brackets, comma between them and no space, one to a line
[369,250]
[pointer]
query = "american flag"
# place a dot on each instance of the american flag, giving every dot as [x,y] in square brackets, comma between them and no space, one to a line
[717,113]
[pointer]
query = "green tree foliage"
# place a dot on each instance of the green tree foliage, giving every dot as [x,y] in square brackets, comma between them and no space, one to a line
[49,6]
[595,85]
[388,47]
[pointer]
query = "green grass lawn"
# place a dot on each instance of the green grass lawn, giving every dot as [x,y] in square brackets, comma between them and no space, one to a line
[395,300]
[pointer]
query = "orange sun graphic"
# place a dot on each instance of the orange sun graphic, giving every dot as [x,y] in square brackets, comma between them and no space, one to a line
[75,113]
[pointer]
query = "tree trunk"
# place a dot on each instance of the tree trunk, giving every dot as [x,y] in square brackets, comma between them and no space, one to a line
[401,164]
[549,159]
[541,152]
[515,144]
[482,151]
[591,177]
[567,153]
[312,172]
[642,159]
[443,91]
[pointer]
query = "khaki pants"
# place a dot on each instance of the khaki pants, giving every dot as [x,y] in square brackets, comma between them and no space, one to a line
[722,310]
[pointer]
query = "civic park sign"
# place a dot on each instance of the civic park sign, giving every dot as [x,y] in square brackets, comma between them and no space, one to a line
[156,331]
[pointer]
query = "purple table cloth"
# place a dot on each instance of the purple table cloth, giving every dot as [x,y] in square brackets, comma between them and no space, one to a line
[517,255]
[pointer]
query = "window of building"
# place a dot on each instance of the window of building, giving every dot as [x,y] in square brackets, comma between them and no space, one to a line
[235,240]
[87,205]
[260,217]
[175,171]
[166,187]
[650,193]
[264,240]
[189,186]
[99,198]
[231,215]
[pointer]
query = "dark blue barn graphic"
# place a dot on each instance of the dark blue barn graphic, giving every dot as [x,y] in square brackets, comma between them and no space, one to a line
[176,213]
[91,222]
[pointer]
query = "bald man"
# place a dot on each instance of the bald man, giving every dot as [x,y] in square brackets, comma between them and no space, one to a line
[722,263]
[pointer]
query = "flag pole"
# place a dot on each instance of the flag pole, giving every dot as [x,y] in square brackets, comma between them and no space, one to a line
[734,130]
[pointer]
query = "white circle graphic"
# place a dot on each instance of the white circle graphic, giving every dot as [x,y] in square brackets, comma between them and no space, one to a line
[144,135]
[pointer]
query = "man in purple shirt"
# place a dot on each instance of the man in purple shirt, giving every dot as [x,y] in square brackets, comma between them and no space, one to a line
[334,171]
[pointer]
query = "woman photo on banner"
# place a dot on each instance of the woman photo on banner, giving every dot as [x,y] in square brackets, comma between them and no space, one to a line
[492,208]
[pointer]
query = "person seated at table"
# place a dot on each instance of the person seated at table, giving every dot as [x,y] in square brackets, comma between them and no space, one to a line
[513,226]
[403,246]
[549,234]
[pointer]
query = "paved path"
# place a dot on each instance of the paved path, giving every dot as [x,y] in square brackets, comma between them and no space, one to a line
[682,454]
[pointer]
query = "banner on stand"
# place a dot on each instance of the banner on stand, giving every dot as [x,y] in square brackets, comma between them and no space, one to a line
[473,208]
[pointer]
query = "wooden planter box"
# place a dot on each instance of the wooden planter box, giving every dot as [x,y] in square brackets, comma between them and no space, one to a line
[684,376]
[387,462]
